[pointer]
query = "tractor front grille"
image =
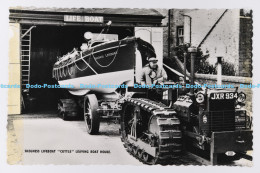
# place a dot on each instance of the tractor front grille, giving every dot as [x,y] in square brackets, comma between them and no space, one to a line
[221,121]
[221,116]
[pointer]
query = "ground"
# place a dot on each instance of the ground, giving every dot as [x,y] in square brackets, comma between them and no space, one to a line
[47,139]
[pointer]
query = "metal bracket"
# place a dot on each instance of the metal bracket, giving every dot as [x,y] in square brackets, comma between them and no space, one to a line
[28,31]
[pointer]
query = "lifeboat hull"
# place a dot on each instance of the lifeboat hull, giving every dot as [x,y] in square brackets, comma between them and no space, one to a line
[102,68]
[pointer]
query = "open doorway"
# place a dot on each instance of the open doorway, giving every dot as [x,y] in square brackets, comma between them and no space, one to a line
[48,43]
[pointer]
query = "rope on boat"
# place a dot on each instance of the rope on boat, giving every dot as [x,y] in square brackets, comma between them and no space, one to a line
[60,73]
[77,65]
[82,58]
[111,61]
[69,70]
[79,68]
[88,64]
[57,74]
[63,69]
[53,75]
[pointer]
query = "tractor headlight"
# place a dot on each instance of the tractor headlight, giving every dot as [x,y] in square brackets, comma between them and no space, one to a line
[200,97]
[230,153]
[241,97]
[204,119]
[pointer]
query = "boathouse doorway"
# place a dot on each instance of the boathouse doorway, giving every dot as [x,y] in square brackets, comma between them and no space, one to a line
[53,32]
[48,43]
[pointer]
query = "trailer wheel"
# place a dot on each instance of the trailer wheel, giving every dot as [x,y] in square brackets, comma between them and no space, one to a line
[91,116]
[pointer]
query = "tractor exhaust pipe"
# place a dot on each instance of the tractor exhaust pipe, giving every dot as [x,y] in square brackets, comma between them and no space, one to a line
[193,52]
[219,75]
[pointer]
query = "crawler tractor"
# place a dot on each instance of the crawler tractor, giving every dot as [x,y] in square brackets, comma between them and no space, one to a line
[158,125]
[211,123]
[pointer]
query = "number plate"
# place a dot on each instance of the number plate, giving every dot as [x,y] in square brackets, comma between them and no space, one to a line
[219,96]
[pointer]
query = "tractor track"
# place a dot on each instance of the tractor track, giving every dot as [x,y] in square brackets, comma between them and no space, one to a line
[163,135]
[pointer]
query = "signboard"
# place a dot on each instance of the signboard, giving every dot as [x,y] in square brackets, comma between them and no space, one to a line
[87,19]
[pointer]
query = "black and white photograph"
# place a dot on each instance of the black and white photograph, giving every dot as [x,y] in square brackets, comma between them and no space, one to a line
[134,86]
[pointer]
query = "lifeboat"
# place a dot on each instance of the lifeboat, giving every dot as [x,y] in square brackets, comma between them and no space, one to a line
[101,65]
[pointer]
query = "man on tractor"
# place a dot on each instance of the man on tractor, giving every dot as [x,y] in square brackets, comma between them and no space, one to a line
[152,73]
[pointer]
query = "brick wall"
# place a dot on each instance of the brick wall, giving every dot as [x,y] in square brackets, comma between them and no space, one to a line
[223,40]
[231,38]
[245,46]
[177,19]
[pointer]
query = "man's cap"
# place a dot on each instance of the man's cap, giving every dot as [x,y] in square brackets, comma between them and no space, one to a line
[152,59]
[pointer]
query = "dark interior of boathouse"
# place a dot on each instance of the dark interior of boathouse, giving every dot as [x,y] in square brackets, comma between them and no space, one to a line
[48,43]
[53,36]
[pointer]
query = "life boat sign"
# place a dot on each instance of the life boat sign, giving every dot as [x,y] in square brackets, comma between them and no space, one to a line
[87,19]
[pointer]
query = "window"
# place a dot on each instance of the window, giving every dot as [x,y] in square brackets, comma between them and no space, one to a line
[180,36]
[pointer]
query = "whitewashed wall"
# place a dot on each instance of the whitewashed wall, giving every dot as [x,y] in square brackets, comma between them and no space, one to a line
[222,41]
